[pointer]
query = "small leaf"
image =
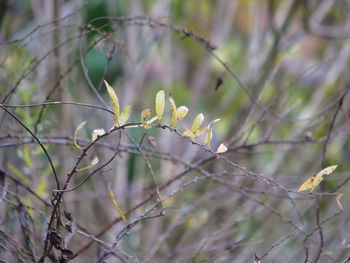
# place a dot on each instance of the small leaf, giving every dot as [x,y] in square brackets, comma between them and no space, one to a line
[29,204]
[315,180]
[181,112]
[197,122]
[173,111]
[201,131]
[210,134]
[111,195]
[338,201]
[114,98]
[308,184]
[27,158]
[146,113]
[177,113]
[189,133]
[124,116]
[92,164]
[195,131]
[41,190]
[96,133]
[160,103]
[80,126]
[222,148]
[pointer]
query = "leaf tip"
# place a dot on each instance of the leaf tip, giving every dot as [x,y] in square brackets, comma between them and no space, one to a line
[222,148]
[80,126]
[160,103]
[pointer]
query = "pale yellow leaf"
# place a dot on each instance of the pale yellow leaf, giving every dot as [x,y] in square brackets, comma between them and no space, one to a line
[197,122]
[315,180]
[28,202]
[96,133]
[160,103]
[146,113]
[208,137]
[173,111]
[80,126]
[338,201]
[189,133]
[92,164]
[210,133]
[114,98]
[200,131]
[27,157]
[181,112]
[222,148]
[111,195]
[308,184]
[41,189]
[124,116]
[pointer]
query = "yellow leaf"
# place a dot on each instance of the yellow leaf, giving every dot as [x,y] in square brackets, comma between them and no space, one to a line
[114,98]
[201,131]
[315,180]
[208,138]
[41,190]
[111,195]
[92,164]
[197,122]
[96,133]
[189,133]
[146,113]
[308,184]
[29,203]
[177,113]
[124,116]
[173,111]
[210,134]
[160,103]
[222,148]
[80,126]
[181,112]
[27,158]
[338,201]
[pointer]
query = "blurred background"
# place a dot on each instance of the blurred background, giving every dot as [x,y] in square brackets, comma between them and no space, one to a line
[275,72]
